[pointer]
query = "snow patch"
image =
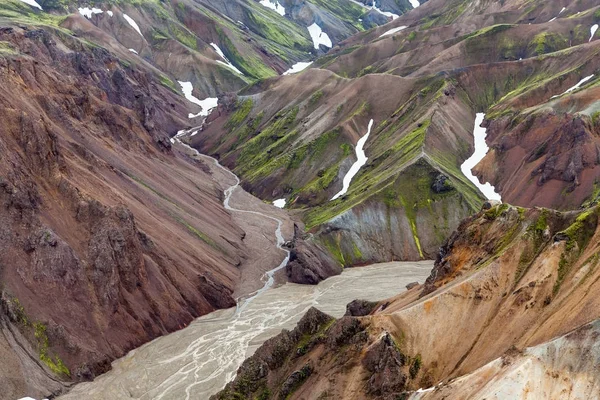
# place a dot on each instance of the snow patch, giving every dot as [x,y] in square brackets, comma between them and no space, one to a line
[273,5]
[414,3]
[110,13]
[133,24]
[318,36]
[207,104]
[29,398]
[133,51]
[279,203]
[581,82]
[32,3]
[481,149]
[227,63]
[88,12]
[431,389]
[392,31]
[561,11]
[361,160]
[593,30]
[298,67]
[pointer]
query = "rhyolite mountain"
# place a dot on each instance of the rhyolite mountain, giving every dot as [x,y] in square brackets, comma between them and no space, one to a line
[510,310]
[421,79]
[112,236]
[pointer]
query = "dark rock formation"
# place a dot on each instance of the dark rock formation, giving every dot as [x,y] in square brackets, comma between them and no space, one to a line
[309,263]
[359,308]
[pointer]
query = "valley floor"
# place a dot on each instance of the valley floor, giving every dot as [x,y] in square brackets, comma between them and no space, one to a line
[198,361]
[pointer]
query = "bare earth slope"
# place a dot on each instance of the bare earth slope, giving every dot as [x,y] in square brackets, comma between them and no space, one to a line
[506,280]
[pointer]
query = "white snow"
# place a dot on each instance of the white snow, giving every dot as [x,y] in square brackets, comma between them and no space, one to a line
[110,13]
[414,3]
[207,104]
[318,36]
[593,30]
[426,390]
[581,82]
[561,11]
[361,160]
[28,398]
[274,5]
[481,149]
[32,3]
[88,12]
[133,51]
[300,66]
[374,7]
[392,31]
[279,203]
[227,63]
[133,24]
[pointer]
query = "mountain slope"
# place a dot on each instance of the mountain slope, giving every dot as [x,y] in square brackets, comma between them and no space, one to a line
[507,279]
[420,79]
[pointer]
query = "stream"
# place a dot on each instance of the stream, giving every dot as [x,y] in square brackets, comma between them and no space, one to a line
[197,361]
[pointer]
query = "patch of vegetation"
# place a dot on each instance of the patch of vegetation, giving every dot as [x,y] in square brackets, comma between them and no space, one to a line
[548,42]
[242,110]
[41,342]
[415,367]
[314,99]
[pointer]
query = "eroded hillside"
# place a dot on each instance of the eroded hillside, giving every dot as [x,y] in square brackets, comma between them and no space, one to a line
[505,285]
[531,66]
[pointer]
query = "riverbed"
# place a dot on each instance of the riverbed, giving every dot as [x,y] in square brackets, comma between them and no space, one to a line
[199,360]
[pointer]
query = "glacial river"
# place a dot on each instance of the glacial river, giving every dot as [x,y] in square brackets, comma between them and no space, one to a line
[198,361]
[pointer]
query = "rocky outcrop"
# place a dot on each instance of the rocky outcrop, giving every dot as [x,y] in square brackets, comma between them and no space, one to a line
[257,373]
[309,263]
[517,286]
[87,169]
[360,308]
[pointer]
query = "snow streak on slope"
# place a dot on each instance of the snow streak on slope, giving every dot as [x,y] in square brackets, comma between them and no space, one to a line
[581,82]
[227,63]
[395,30]
[298,67]
[319,37]
[561,11]
[88,12]
[481,149]
[32,3]
[279,203]
[133,24]
[274,5]
[414,3]
[361,160]
[593,30]
[207,104]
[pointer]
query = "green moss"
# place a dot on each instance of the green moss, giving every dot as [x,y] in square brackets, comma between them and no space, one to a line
[314,99]
[415,366]
[166,81]
[7,48]
[495,211]
[242,110]
[55,364]
[581,231]
[548,42]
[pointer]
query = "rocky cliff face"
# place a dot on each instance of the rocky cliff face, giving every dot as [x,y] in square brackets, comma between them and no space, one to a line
[108,236]
[505,285]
